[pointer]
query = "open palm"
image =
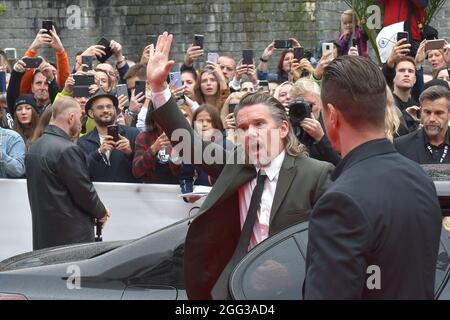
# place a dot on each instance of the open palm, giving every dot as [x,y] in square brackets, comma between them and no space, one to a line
[159,65]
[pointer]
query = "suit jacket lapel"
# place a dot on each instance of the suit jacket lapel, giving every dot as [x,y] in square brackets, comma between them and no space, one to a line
[231,179]
[287,174]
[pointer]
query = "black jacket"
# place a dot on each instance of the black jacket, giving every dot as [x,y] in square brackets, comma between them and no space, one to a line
[63,200]
[319,150]
[413,146]
[381,210]
[119,168]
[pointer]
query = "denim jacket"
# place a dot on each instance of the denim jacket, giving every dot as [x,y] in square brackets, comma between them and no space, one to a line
[12,154]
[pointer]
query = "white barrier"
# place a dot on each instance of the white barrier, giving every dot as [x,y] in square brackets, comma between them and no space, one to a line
[136,210]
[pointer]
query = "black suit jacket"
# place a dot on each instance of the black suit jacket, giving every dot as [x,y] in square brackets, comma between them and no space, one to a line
[413,147]
[382,210]
[214,233]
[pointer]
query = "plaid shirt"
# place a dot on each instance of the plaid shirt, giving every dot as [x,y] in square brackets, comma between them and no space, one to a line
[144,163]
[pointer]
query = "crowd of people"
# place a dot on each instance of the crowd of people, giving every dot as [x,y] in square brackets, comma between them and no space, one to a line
[126,137]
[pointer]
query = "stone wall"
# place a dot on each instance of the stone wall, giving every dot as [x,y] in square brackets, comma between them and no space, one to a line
[228,25]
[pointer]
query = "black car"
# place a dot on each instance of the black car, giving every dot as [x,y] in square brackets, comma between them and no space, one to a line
[152,267]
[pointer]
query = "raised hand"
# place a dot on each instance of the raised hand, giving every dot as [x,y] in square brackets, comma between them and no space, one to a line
[159,65]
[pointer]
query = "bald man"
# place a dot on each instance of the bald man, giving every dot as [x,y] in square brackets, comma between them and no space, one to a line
[64,204]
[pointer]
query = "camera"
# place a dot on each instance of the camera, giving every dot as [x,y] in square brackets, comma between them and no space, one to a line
[298,111]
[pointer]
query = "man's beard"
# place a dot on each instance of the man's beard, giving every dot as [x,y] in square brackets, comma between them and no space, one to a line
[102,123]
[433,130]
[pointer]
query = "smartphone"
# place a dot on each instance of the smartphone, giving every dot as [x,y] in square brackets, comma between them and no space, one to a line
[403,35]
[113,131]
[175,79]
[353,42]
[2,81]
[264,84]
[213,57]
[11,53]
[247,56]
[198,40]
[283,44]
[139,87]
[327,47]
[435,44]
[153,39]
[81,92]
[32,63]
[83,80]
[108,52]
[299,53]
[231,107]
[87,60]
[122,90]
[47,25]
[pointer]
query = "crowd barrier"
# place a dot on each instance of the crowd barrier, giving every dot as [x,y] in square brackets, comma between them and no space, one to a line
[136,210]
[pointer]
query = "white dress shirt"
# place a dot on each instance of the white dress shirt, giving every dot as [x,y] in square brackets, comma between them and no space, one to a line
[261,228]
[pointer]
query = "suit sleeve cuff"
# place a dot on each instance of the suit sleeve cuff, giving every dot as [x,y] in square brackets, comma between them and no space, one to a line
[160,98]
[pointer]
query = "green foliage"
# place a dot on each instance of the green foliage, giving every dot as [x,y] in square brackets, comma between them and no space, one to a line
[432,9]
[2,9]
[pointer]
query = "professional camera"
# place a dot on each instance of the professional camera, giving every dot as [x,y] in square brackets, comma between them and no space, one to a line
[298,111]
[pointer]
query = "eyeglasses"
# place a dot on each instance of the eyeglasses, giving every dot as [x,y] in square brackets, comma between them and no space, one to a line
[101,107]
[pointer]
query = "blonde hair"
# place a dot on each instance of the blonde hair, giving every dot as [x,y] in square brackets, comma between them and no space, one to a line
[276,93]
[391,118]
[350,13]
[304,86]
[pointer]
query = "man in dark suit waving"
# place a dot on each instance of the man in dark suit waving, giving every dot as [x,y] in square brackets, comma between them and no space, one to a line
[263,187]
[375,232]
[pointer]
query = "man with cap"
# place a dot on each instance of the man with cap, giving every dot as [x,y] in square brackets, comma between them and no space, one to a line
[109,160]
[63,201]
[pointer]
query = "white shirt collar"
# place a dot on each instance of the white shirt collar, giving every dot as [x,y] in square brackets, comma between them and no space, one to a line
[273,168]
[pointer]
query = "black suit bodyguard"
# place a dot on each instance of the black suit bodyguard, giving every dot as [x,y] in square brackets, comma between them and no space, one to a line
[375,232]
[217,238]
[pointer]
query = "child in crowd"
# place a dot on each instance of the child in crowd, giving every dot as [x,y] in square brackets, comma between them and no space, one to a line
[349,22]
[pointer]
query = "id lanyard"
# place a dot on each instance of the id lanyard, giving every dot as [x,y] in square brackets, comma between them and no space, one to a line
[443,155]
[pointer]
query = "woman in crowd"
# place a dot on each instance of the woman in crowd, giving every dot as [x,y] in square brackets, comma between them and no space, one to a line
[25,116]
[212,87]
[207,123]
[282,93]
[284,67]
[442,74]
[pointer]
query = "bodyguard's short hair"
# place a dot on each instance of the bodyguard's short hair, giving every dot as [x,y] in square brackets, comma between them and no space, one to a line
[357,88]
[434,93]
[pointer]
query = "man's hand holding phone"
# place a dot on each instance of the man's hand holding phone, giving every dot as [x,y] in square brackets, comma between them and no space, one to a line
[123,145]
[108,145]
[95,50]
[401,49]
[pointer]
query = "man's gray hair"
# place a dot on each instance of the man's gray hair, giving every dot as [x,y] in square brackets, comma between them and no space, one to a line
[434,93]
[292,146]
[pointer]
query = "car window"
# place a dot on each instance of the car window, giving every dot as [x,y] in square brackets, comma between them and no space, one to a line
[275,271]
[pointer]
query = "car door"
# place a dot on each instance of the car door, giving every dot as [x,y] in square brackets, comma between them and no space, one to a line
[275,269]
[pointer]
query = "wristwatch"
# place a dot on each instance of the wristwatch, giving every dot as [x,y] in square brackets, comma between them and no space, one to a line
[130,113]
[263,60]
